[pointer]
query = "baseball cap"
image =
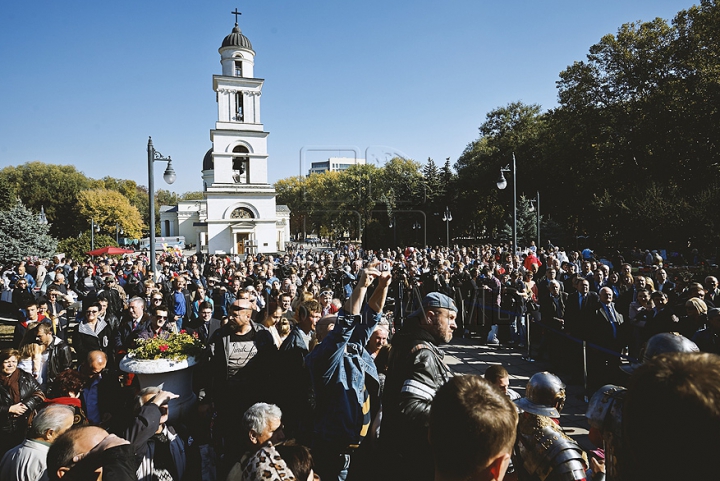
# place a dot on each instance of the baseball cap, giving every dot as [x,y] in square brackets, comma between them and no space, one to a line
[435,299]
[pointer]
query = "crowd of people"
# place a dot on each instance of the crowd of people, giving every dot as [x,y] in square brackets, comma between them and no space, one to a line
[328,364]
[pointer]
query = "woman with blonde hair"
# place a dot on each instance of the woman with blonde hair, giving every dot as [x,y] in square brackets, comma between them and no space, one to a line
[31,357]
[283,328]
[695,317]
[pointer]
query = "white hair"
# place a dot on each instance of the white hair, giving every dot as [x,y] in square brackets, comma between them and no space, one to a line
[258,416]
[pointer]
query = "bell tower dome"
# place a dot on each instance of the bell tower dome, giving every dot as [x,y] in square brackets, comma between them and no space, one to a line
[236,55]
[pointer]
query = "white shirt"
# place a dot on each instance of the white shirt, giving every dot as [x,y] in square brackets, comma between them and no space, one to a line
[25,462]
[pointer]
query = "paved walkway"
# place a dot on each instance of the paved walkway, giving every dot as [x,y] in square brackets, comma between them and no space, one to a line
[468,356]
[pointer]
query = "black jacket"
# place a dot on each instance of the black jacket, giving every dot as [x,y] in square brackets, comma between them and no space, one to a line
[250,380]
[548,310]
[123,334]
[577,319]
[30,395]
[85,340]
[59,359]
[416,371]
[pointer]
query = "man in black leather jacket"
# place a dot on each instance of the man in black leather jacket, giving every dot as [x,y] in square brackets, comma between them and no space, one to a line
[416,371]
[59,354]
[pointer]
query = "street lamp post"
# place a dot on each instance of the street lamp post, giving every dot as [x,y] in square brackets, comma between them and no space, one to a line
[118,231]
[537,217]
[93,229]
[169,176]
[533,203]
[393,226]
[501,184]
[447,217]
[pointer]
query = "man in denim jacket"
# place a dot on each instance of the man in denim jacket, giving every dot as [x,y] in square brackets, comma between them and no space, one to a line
[343,375]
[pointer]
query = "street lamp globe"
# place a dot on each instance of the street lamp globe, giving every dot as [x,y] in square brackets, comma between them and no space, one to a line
[169,174]
[502,182]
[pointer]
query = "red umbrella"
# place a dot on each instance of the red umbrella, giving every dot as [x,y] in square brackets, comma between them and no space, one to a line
[110,251]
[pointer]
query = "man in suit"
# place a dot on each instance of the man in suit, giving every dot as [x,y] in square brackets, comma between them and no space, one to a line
[552,306]
[543,284]
[607,329]
[132,320]
[663,284]
[712,293]
[552,313]
[580,307]
[598,280]
[207,324]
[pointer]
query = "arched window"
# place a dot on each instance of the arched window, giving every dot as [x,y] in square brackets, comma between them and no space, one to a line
[241,164]
[242,213]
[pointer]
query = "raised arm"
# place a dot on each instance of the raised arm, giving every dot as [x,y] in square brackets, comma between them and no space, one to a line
[377,300]
[354,303]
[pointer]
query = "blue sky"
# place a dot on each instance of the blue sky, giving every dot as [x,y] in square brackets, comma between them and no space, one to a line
[86,83]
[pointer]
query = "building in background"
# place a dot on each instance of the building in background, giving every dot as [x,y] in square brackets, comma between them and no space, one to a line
[334,164]
[238,214]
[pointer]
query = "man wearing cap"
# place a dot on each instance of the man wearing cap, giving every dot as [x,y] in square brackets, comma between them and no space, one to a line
[415,371]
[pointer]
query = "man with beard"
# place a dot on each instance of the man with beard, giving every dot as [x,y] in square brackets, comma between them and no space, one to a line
[240,351]
[416,371]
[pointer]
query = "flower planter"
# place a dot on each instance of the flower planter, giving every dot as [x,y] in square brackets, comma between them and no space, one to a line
[168,375]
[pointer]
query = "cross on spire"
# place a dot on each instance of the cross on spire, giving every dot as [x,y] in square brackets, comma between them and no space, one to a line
[236,13]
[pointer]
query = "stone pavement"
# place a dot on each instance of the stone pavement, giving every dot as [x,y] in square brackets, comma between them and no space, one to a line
[469,356]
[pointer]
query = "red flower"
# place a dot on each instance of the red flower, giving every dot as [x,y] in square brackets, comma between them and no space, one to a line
[195,335]
[183,331]
[163,348]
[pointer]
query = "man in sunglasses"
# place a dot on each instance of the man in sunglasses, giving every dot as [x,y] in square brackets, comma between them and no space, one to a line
[156,328]
[110,291]
[242,352]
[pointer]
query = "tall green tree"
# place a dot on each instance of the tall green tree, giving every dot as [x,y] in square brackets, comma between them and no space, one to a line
[8,196]
[431,177]
[53,187]
[515,128]
[526,223]
[22,236]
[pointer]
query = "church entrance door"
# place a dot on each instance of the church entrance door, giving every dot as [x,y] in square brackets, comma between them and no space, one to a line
[240,240]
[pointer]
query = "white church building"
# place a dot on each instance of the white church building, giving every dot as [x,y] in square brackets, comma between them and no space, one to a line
[238,214]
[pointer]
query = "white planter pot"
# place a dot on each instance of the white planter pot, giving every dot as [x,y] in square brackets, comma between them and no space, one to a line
[168,375]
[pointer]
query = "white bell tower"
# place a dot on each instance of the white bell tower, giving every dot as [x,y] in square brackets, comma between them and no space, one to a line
[241,210]
[239,140]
